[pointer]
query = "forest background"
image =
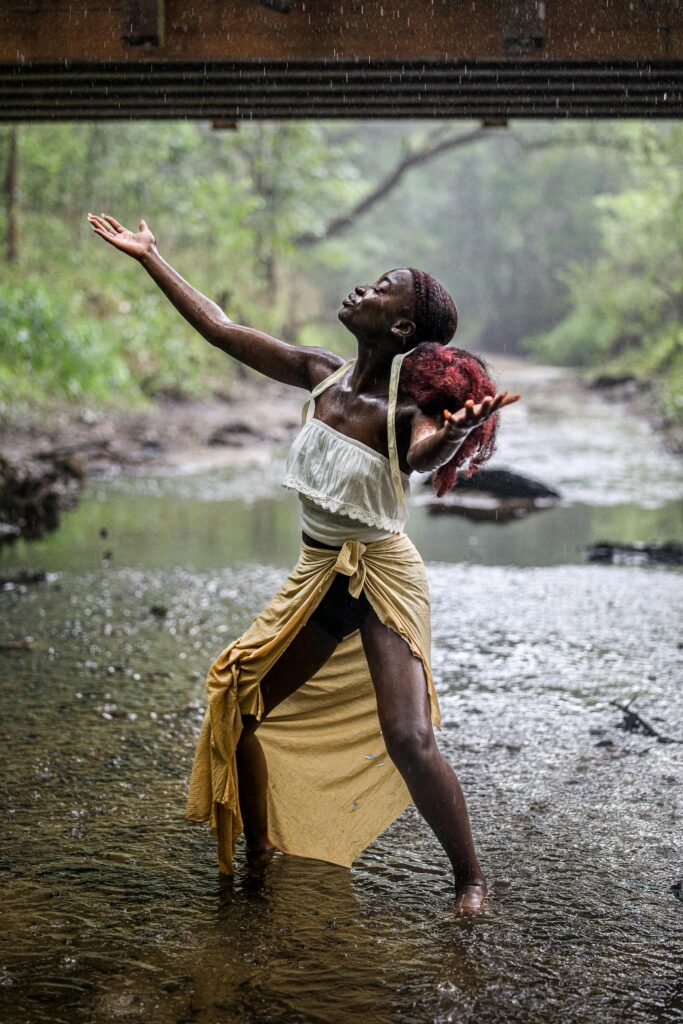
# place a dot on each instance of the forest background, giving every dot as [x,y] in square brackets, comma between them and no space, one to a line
[562,242]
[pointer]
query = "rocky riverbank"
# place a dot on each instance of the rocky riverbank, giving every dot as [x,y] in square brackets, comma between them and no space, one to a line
[643,397]
[162,435]
[47,453]
[574,440]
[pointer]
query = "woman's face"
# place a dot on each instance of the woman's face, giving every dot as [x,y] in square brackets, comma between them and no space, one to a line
[376,308]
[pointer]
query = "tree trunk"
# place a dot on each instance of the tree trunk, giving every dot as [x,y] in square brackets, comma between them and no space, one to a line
[12,197]
[436,146]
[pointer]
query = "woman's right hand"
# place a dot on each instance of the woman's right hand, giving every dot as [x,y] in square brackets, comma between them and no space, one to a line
[136,245]
[470,416]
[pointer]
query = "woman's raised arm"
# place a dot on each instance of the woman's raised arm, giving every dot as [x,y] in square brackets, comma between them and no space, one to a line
[290,364]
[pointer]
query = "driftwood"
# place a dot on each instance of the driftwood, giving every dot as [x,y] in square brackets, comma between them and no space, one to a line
[634,722]
[640,553]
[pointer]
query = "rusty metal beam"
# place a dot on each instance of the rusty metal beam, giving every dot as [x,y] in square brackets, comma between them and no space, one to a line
[238,59]
[523,25]
[362,30]
[230,91]
[144,24]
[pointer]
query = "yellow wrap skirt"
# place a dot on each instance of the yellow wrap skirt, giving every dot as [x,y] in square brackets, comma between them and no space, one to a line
[332,788]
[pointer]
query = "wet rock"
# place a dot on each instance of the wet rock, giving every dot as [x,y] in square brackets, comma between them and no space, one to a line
[495,495]
[120,1006]
[606,381]
[23,577]
[152,443]
[182,983]
[640,553]
[88,417]
[34,491]
[10,646]
[234,432]
[76,451]
[503,483]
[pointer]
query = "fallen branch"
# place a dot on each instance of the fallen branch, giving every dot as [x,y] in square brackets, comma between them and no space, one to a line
[633,722]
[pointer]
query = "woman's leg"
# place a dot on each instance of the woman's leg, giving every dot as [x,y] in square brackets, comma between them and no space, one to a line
[404,715]
[307,653]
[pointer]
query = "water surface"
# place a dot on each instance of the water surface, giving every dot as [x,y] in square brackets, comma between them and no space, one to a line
[113,909]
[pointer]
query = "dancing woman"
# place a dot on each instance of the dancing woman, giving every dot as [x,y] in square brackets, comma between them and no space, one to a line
[319,726]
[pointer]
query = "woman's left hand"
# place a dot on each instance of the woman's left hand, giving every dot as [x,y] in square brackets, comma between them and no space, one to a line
[471,416]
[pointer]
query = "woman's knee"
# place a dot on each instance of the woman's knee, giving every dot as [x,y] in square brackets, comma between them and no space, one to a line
[411,749]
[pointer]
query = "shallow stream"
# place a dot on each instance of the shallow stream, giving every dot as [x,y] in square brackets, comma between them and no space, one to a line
[112,906]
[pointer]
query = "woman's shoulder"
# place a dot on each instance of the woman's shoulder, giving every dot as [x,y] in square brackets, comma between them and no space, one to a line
[406,407]
[321,364]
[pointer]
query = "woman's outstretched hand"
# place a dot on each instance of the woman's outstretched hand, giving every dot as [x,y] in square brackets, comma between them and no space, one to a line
[471,415]
[135,244]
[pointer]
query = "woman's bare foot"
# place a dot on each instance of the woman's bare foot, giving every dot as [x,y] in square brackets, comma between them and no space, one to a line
[470,897]
[260,855]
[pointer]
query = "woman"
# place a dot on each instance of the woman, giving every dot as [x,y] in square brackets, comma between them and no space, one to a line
[356,606]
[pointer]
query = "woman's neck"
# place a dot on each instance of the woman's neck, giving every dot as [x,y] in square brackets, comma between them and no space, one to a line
[373,367]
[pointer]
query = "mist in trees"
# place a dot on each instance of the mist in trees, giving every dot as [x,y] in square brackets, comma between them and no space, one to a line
[562,240]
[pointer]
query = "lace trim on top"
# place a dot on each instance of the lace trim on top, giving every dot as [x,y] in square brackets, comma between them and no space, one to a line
[342,508]
[335,529]
[344,476]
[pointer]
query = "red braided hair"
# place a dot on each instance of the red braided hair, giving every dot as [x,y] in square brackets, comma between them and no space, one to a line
[434,312]
[440,377]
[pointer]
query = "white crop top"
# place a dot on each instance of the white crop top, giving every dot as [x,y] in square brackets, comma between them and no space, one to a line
[348,491]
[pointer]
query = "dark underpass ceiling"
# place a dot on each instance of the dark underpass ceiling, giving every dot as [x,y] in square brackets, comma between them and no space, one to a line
[255,59]
[237,91]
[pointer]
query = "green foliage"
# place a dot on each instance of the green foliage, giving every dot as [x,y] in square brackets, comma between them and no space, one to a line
[568,234]
[47,350]
[53,348]
[498,222]
[626,304]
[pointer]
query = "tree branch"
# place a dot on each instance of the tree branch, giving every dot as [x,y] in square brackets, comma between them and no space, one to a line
[633,722]
[339,225]
[600,141]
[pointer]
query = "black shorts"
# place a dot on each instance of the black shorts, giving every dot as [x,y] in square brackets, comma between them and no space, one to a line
[338,613]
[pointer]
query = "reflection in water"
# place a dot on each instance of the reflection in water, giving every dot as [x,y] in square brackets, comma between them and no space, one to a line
[153,532]
[112,907]
[617,483]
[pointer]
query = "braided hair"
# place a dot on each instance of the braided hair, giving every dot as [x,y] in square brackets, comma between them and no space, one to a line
[438,376]
[434,312]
